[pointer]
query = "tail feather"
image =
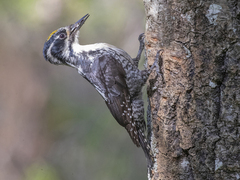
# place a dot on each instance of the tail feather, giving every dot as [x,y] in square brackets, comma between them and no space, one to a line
[146,148]
[132,130]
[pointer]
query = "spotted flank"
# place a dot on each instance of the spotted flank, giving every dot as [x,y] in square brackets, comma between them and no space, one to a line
[51,35]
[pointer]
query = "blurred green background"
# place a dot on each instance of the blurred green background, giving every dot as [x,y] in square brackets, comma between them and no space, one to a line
[53,123]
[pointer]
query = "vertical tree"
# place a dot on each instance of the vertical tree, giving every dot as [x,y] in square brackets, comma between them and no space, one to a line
[195,103]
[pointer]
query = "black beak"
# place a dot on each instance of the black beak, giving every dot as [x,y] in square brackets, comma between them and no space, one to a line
[75,27]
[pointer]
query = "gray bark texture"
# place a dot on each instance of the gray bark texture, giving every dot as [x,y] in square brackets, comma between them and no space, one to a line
[195,103]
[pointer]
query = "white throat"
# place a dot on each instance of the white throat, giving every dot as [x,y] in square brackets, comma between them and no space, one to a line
[91,47]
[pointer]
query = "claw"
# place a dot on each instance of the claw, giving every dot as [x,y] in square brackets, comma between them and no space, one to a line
[156,62]
[141,37]
[141,47]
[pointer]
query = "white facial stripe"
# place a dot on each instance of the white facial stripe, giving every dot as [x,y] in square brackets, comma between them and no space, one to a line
[49,55]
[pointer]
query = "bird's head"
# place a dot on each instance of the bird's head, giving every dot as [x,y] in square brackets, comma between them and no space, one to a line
[57,48]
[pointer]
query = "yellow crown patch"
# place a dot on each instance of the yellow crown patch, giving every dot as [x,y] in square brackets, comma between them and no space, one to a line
[51,35]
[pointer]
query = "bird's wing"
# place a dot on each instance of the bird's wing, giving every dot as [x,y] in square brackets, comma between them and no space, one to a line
[111,84]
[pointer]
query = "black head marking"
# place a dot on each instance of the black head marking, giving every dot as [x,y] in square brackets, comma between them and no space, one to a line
[54,46]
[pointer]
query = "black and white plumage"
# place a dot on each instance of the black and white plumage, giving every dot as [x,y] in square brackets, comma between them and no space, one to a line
[113,73]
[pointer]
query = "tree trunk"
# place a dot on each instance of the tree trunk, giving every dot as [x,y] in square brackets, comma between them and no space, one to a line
[195,102]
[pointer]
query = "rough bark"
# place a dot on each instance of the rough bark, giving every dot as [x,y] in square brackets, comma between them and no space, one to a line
[195,103]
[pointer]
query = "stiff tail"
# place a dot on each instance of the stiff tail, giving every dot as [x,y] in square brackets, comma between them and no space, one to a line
[146,148]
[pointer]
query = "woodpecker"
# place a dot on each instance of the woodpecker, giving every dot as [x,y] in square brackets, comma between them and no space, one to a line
[113,73]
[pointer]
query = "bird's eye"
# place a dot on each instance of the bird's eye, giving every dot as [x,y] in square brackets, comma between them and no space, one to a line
[62,36]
